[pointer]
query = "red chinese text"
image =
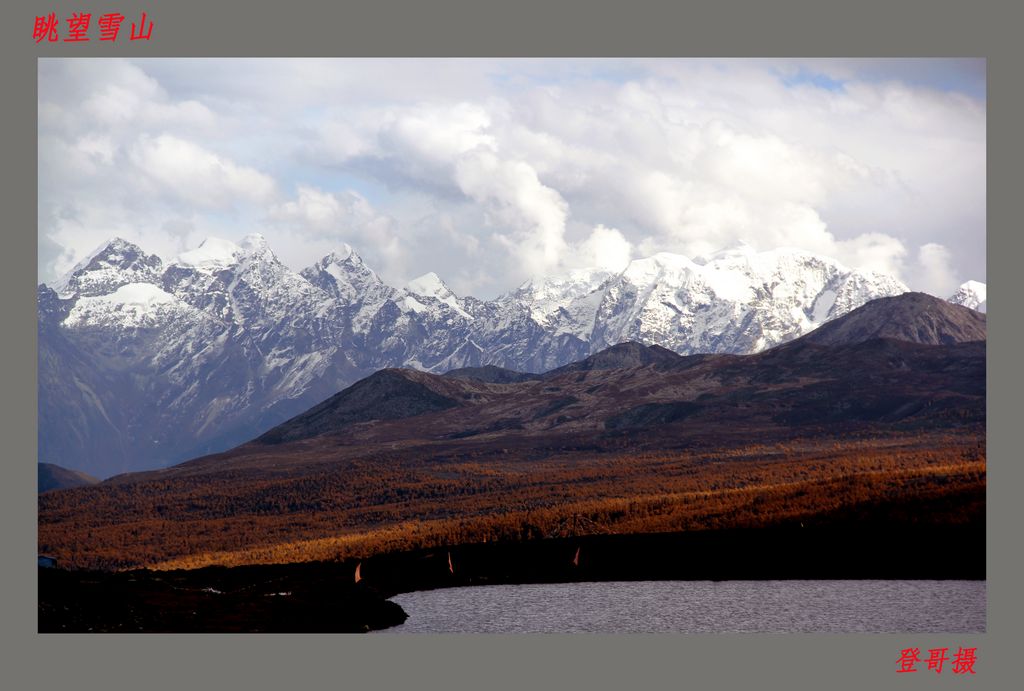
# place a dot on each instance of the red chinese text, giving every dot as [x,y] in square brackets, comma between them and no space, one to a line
[78,24]
[963,661]
[45,27]
[109,24]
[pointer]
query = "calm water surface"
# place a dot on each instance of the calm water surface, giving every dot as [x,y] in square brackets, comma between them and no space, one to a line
[700,607]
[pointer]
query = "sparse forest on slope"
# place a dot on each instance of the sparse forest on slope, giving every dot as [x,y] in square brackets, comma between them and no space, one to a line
[381,504]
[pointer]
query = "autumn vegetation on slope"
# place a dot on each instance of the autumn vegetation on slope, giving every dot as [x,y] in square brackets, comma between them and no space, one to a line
[379,504]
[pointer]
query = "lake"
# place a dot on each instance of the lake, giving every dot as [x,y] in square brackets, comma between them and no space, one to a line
[700,607]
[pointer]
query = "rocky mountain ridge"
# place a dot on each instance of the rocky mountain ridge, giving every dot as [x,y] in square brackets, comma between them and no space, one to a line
[145,362]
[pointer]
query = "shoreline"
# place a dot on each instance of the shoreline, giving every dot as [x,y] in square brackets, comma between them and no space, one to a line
[324,597]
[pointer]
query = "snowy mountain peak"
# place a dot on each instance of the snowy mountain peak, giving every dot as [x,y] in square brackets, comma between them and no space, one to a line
[345,256]
[573,283]
[255,244]
[344,253]
[642,272]
[570,299]
[256,247]
[216,254]
[213,254]
[345,275]
[429,285]
[973,294]
[105,251]
[112,264]
[117,245]
[659,262]
[352,284]
[740,249]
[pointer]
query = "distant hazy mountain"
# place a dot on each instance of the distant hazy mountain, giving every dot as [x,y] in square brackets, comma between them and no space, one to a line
[55,477]
[145,362]
[491,374]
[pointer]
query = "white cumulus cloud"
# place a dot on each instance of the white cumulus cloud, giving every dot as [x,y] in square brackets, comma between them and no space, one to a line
[196,176]
[490,172]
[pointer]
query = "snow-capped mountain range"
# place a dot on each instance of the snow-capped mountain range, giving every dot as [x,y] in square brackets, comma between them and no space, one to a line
[144,363]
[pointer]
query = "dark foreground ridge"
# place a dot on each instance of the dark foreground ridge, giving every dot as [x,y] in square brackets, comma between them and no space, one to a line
[324,597]
[290,598]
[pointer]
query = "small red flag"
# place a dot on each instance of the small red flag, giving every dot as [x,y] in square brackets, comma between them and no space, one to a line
[358,577]
[450,567]
[576,559]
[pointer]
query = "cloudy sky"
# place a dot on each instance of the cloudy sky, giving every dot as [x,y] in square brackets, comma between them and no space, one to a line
[490,172]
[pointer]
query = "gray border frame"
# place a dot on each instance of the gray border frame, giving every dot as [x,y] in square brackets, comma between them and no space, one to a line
[522,28]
